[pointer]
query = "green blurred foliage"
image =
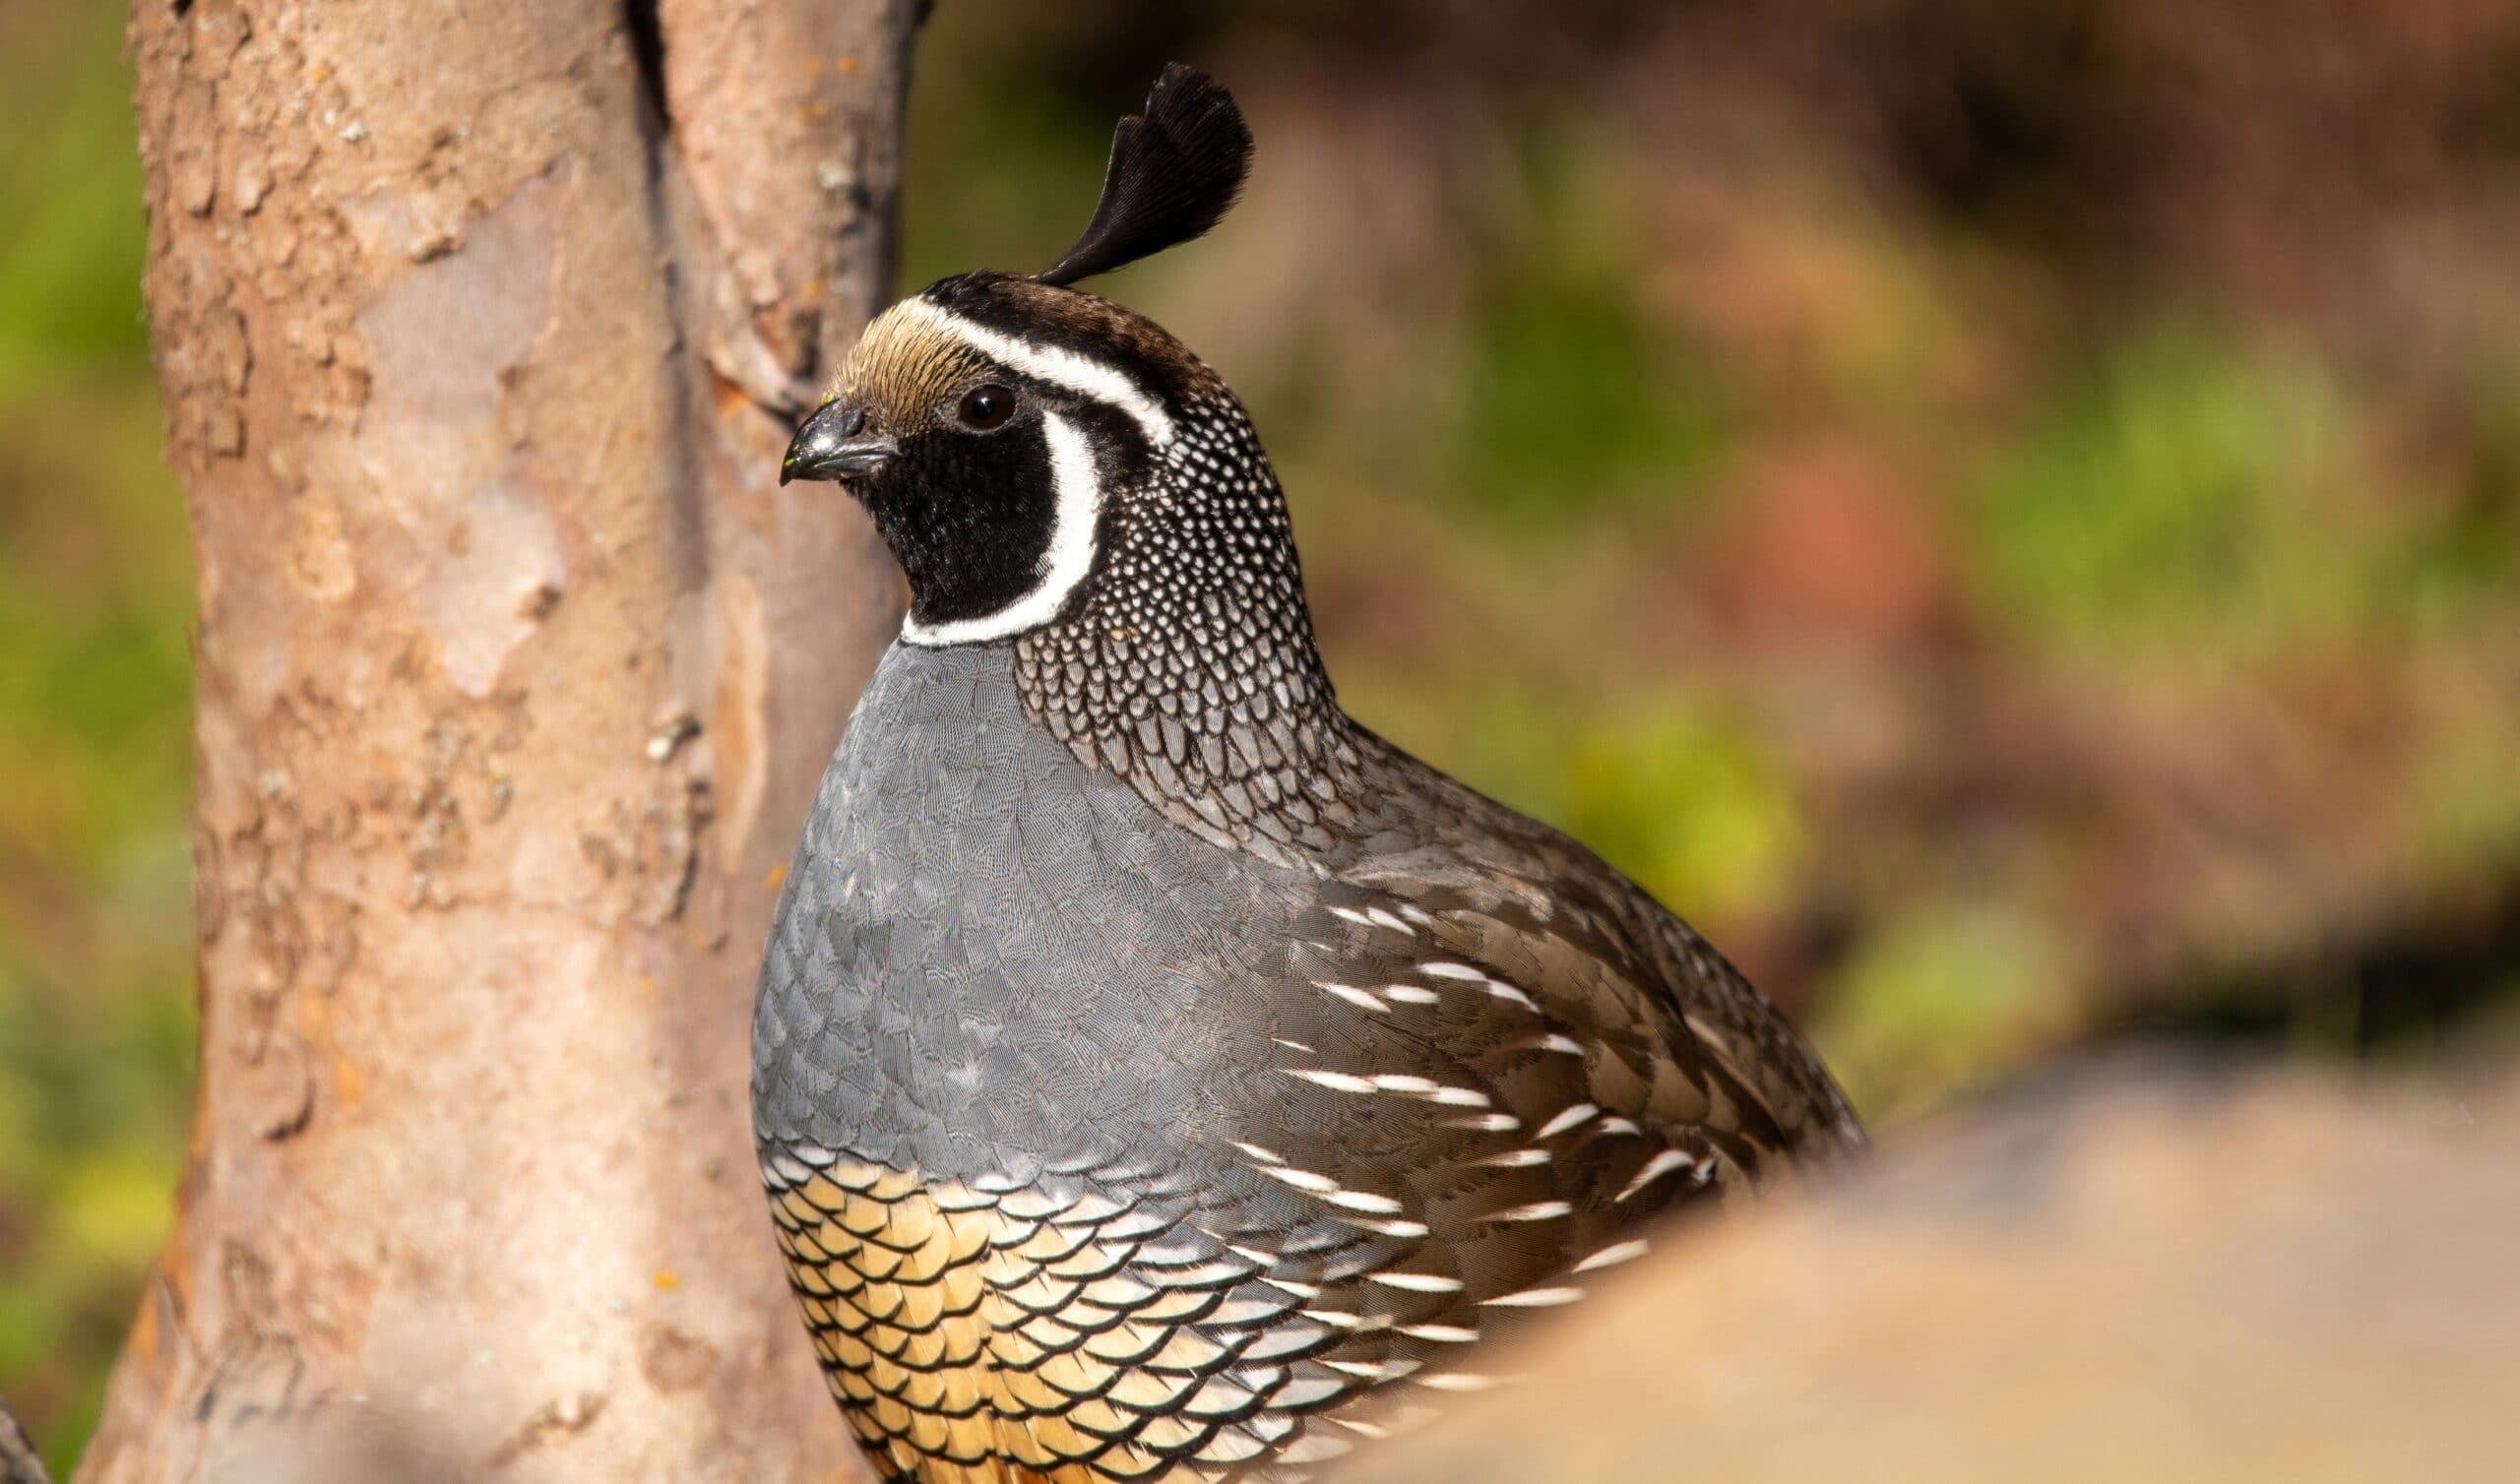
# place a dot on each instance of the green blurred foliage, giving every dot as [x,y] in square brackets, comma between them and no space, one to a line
[2159,500]
[1572,401]
[96,940]
[2184,491]
[1947,995]
[70,258]
[1891,491]
[1682,798]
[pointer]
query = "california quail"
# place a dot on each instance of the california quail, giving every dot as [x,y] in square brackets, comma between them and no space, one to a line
[1150,1062]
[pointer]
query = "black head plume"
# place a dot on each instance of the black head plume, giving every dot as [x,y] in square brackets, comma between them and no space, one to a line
[1175,169]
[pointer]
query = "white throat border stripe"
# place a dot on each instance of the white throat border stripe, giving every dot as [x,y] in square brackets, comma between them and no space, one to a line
[1060,368]
[1077,511]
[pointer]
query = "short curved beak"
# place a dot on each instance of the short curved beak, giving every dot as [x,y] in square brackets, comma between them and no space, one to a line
[834,444]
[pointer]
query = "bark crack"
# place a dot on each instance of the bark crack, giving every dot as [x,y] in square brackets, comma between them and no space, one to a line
[647,33]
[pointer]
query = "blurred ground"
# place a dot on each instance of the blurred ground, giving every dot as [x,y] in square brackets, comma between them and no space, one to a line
[2006,513]
[2131,1271]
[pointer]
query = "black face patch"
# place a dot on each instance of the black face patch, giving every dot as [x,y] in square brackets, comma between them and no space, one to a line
[973,514]
[968,516]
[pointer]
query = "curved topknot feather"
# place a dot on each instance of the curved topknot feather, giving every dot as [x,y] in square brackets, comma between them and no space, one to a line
[1175,171]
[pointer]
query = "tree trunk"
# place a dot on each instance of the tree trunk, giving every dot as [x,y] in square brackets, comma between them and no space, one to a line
[481,326]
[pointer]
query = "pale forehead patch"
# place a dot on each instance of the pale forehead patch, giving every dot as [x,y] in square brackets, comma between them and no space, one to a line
[905,365]
[915,353]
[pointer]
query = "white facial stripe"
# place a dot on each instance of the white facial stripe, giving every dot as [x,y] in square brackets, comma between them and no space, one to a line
[1060,368]
[1076,497]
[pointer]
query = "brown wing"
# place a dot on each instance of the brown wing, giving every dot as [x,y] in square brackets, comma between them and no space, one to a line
[1600,955]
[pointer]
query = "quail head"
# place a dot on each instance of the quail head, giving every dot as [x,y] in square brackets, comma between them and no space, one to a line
[1156,1074]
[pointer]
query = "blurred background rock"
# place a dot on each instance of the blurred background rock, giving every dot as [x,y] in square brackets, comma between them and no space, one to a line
[2005,511]
[2133,1269]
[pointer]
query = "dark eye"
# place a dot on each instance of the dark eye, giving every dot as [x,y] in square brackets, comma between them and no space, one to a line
[985,408]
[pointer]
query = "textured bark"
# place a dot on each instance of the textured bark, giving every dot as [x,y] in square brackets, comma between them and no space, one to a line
[480,326]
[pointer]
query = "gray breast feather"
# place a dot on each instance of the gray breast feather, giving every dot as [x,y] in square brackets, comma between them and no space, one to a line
[987,957]
[993,960]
